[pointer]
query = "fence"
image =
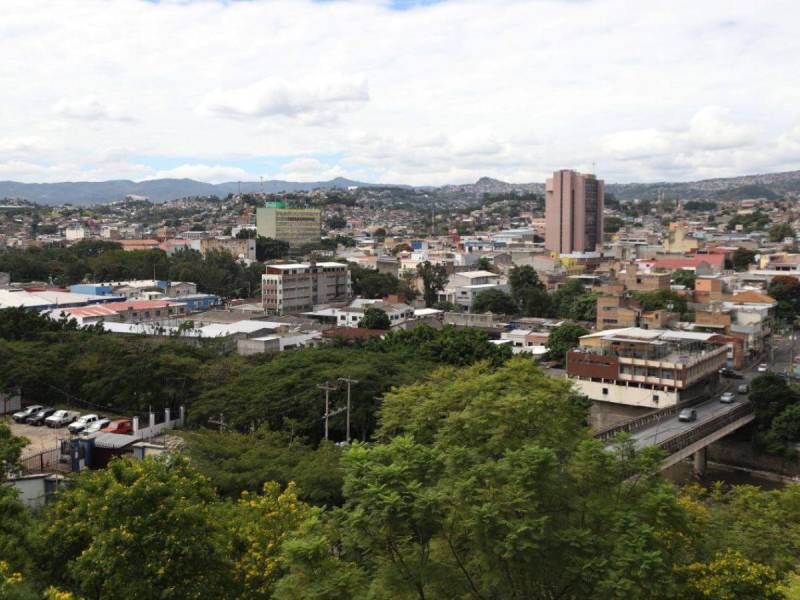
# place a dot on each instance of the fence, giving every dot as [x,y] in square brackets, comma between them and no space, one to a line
[45,462]
[703,430]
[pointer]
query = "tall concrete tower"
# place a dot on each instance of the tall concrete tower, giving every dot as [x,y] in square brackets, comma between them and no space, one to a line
[573,212]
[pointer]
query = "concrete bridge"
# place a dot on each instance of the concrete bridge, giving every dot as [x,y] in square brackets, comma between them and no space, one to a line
[679,439]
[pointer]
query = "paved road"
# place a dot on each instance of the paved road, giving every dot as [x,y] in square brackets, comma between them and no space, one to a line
[713,408]
[666,429]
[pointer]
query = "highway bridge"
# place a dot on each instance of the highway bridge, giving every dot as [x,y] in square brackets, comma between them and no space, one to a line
[679,439]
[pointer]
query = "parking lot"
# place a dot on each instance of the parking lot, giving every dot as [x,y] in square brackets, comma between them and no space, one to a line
[41,438]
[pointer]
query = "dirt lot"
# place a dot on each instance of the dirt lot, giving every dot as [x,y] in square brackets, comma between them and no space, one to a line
[41,438]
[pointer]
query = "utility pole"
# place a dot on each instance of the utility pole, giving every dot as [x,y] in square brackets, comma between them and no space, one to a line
[327,387]
[349,382]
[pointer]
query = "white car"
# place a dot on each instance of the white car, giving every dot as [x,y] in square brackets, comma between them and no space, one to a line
[95,426]
[61,418]
[727,398]
[82,422]
[762,368]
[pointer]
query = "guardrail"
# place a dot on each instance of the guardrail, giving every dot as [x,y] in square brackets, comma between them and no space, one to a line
[651,418]
[682,440]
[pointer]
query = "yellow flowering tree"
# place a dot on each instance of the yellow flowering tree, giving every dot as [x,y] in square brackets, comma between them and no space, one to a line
[257,526]
[730,576]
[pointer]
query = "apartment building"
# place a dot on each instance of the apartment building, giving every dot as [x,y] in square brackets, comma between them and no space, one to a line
[462,288]
[618,310]
[297,226]
[648,368]
[298,287]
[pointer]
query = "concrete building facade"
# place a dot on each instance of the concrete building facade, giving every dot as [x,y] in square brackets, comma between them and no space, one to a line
[297,226]
[573,212]
[298,287]
[647,368]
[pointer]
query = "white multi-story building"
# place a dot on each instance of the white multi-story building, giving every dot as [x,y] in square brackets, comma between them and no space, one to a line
[463,288]
[352,315]
[298,287]
[649,368]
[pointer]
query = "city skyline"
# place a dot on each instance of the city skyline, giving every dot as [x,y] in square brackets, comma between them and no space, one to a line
[423,93]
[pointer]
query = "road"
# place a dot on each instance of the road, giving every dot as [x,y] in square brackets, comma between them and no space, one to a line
[713,407]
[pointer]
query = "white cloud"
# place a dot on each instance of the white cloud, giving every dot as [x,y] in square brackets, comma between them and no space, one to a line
[440,94]
[207,173]
[89,108]
[715,128]
[308,169]
[312,103]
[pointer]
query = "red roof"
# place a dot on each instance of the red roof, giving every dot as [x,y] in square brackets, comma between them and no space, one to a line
[140,305]
[717,260]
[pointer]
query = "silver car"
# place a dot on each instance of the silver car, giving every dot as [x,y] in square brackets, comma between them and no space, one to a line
[727,398]
[687,415]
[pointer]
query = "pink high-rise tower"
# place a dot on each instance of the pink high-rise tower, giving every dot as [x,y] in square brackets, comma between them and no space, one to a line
[573,212]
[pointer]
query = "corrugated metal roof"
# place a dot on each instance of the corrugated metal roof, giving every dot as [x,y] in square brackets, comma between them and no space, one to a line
[113,440]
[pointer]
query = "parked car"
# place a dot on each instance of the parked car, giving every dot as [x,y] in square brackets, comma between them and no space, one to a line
[123,426]
[39,416]
[743,388]
[687,415]
[730,373]
[727,398]
[762,368]
[23,414]
[95,426]
[61,418]
[80,423]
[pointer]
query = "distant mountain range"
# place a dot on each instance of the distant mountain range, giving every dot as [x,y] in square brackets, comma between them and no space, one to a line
[159,190]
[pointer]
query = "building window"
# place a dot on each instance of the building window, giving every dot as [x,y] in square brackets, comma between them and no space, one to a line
[605,391]
[655,398]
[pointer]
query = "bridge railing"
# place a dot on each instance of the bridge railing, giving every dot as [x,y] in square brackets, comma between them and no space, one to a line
[648,419]
[680,441]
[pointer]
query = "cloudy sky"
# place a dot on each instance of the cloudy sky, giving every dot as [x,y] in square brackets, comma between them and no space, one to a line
[397,91]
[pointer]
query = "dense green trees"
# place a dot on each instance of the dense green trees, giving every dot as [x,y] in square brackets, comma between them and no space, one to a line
[375,318]
[780,231]
[563,339]
[481,482]
[217,272]
[777,407]
[370,283]
[786,290]
[662,300]
[742,258]
[684,277]
[494,300]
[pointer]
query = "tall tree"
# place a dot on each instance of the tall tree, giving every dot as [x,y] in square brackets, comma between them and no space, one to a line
[522,278]
[496,301]
[742,258]
[375,318]
[563,339]
[434,278]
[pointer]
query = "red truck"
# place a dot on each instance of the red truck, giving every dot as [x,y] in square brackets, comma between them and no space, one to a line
[123,426]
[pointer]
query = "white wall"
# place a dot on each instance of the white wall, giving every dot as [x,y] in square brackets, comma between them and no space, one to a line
[628,395]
